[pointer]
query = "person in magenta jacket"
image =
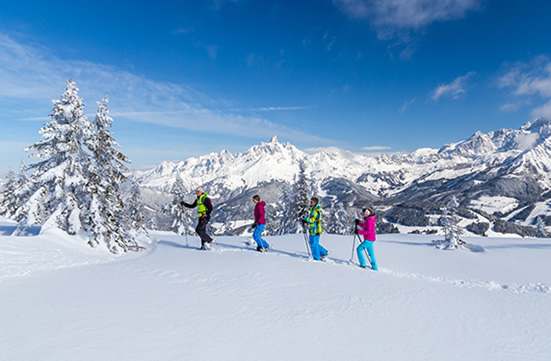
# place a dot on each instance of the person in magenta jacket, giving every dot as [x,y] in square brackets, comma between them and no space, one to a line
[367,229]
[259,223]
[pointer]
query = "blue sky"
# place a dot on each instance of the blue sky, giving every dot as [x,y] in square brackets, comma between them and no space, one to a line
[201,76]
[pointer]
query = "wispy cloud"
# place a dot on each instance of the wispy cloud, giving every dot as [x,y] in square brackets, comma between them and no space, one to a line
[407,104]
[530,81]
[529,78]
[543,111]
[329,41]
[212,50]
[453,89]
[376,148]
[510,107]
[183,30]
[397,19]
[391,16]
[30,73]
[275,109]
[217,4]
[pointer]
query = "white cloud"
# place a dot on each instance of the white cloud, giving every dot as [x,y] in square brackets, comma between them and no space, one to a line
[375,148]
[529,78]
[392,17]
[183,30]
[453,89]
[31,74]
[329,40]
[212,50]
[510,107]
[543,111]
[407,104]
[531,81]
[527,141]
[272,109]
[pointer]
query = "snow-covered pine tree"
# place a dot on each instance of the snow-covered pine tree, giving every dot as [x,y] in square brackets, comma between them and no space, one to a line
[540,230]
[180,219]
[338,220]
[135,213]
[106,215]
[8,203]
[59,178]
[296,202]
[450,223]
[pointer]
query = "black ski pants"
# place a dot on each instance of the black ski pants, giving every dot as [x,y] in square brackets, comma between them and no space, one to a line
[202,230]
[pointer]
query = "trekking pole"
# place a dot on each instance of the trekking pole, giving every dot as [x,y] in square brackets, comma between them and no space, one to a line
[353,244]
[184,217]
[186,229]
[214,241]
[365,250]
[306,241]
[354,238]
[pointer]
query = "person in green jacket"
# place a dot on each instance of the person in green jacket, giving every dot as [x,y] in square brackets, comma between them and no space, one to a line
[204,209]
[314,225]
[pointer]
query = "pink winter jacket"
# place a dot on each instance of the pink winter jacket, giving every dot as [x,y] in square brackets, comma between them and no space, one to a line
[259,213]
[368,228]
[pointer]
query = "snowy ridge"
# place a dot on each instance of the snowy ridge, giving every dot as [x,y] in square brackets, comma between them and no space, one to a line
[279,161]
[504,164]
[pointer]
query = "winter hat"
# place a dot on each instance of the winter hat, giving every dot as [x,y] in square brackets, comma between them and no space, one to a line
[366,209]
[199,189]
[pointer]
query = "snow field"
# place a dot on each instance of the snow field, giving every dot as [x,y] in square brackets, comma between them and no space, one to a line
[60,301]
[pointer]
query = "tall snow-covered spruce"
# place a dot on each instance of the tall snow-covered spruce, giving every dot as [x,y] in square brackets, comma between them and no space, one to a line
[8,201]
[452,229]
[295,202]
[180,220]
[60,176]
[106,215]
[338,220]
[75,184]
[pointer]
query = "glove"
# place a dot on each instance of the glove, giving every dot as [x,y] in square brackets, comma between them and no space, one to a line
[181,203]
[357,221]
[304,221]
[254,225]
[356,231]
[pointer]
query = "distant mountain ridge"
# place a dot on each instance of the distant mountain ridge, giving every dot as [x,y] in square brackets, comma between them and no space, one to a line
[496,175]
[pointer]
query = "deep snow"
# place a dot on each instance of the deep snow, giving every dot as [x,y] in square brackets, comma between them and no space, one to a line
[60,300]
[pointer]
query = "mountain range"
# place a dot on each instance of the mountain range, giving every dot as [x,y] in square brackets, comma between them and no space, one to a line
[501,180]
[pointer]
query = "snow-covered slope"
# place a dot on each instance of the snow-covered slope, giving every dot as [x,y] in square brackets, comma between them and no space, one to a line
[63,301]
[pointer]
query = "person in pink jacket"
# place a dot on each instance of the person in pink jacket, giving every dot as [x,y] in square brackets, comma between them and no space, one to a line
[367,229]
[259,223]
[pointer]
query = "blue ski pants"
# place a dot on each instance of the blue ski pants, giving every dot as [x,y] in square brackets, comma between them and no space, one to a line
[367,245]
[257,236]
[317,249]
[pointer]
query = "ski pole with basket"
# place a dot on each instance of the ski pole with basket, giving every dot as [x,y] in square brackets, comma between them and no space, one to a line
[305,234]
[356,235]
